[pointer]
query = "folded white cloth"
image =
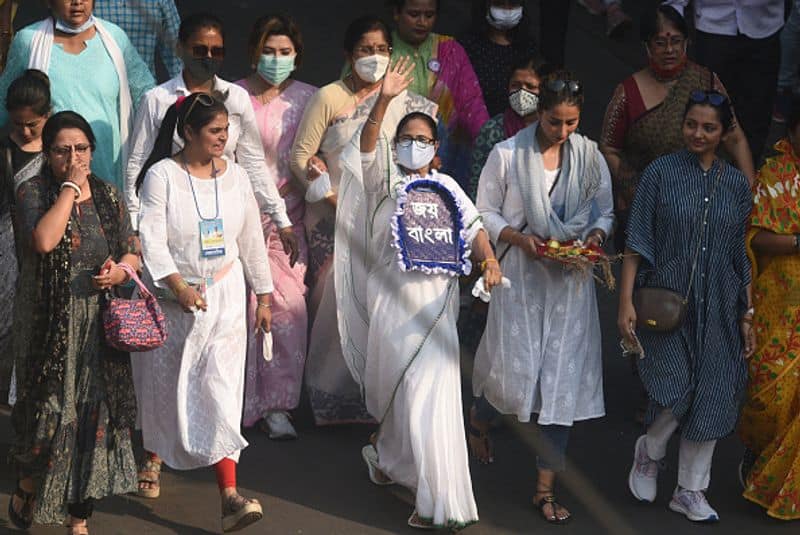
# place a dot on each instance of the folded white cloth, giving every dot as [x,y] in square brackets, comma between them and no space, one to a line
[319,188]
[479,290]
[266,346]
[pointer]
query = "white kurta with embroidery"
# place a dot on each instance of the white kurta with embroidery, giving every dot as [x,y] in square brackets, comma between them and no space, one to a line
[409,369]
[541,350]
[190,391]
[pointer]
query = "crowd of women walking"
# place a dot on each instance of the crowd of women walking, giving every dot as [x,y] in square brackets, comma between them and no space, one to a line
[274,237]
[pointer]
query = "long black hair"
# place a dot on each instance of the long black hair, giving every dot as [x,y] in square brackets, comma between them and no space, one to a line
[183,113]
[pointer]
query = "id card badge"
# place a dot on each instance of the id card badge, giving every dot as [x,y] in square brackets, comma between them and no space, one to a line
[212,238]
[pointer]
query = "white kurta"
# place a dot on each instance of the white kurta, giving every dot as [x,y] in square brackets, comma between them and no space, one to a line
[411,377]
[541,350]
[190,391]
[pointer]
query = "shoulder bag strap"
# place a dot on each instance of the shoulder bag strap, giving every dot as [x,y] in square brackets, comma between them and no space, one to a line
[702,232]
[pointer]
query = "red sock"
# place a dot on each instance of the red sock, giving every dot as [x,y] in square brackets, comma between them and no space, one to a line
[226,474]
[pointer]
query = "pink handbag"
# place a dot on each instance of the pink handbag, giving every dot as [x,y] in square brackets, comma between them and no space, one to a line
[134,325]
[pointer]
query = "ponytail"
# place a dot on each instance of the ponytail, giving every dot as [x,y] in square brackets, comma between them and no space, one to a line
[162,148]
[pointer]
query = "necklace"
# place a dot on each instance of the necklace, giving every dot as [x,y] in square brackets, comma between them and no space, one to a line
[194,194]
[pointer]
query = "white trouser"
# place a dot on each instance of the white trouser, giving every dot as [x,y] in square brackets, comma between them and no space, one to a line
[694,458]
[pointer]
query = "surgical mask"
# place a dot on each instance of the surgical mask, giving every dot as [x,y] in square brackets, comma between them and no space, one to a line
[66,28]
[413,157]
[275,69]
[371,68]
[202,69]
[504,19]
[523,102]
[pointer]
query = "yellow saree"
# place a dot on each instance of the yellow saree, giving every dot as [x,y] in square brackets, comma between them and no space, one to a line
[770,420]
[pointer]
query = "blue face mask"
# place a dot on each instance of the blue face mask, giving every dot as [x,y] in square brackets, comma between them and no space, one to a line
[275,69]
[66,28]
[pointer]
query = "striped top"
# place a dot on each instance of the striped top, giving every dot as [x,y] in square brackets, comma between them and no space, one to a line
[697,371]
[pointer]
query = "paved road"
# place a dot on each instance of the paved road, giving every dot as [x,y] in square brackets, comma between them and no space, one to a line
[318,484]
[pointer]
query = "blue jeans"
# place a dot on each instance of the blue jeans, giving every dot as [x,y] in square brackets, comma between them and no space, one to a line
[790,50]
[555,436]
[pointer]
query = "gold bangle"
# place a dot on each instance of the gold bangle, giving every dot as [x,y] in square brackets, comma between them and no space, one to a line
[264,305]
[483,264]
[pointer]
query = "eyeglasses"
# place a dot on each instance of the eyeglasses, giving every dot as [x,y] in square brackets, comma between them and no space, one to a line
[572,86]
[421,142]
[202,51]
[715,98]
[383,50]
[66,150]
[662,43]
[203,98]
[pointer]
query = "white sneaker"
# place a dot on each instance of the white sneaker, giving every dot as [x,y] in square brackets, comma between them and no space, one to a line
[279,427]
[643,479]
[693,505]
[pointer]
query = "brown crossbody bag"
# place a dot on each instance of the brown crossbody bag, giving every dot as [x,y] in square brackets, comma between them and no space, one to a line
[663,310]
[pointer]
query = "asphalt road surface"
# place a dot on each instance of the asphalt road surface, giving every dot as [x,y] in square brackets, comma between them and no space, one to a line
[319,485]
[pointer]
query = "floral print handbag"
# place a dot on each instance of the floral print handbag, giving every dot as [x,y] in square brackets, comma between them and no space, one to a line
[134,325]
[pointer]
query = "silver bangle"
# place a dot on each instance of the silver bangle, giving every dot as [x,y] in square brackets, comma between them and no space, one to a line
[72,185]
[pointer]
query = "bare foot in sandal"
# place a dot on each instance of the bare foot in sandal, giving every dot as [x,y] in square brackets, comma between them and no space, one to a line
[149,477]
[480,443]
[551,510]
[77,526]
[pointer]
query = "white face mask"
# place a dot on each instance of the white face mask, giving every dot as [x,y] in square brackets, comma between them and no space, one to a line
[413,157]
[66,28]
[504,19]
[371,68]
[523,102]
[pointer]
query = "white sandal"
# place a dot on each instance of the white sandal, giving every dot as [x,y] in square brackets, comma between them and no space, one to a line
[416,522]
[370,456]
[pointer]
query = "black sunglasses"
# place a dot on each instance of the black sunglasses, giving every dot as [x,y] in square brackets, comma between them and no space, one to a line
[715,98]
[202,51]
[557,86]
[203,98]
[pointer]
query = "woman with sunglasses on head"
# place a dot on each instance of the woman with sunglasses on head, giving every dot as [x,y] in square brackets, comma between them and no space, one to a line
[21,158]
[273,387]
[770,421]
[201,47]
[443,73]
[686,236]
[398,319]
[67,46]
[75,406]
[201,240]
[643,120]
[333,116]
[499,38]
[541,351]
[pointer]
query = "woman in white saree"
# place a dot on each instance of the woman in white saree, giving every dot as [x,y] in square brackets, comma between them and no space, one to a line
[541,351]
[399,330]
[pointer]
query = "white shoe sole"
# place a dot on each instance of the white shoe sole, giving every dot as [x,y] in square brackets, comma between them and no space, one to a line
[678,508]
[632,473]
[245,516]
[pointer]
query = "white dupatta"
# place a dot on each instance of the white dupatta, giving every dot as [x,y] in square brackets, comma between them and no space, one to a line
[41,50]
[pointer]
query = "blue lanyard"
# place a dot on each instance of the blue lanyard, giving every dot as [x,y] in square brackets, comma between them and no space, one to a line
[194,195]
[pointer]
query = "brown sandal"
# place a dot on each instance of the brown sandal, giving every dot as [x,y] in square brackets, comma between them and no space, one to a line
[150,475]
[550,499]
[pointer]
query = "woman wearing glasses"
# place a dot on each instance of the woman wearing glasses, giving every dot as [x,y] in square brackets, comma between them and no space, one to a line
[687,235]
[201,240]
[94,70]
[541,351]
[332,117]
[273,387]
[399,319]
[643,120]
[201,47]
[75,405]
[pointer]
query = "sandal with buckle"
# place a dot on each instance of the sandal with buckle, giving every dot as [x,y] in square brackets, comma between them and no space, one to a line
[23,518]
[550,499]
[239,512]
[475,435]
[149,474]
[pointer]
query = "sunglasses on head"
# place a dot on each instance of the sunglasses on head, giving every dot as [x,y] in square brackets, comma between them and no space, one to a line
[715,98]
[202,51]
[202,98]
[572,86]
